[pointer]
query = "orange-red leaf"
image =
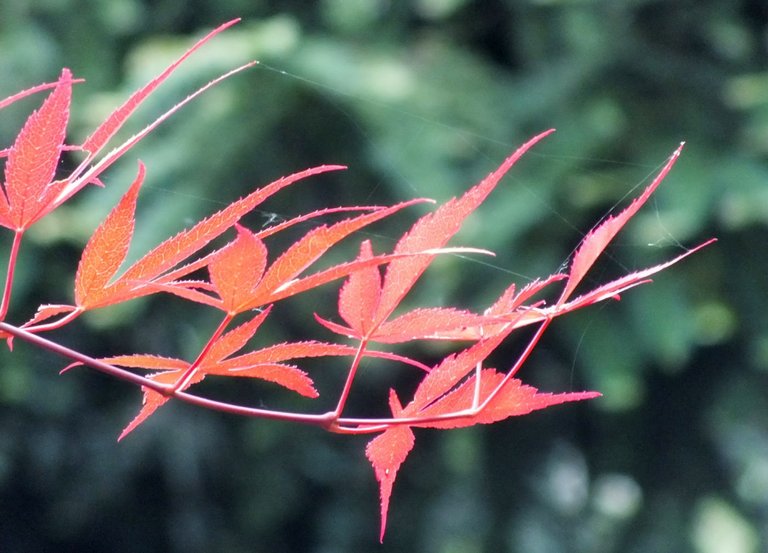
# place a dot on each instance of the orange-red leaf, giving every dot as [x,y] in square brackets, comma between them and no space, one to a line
[144,361]
[189,242]
[235,339]
[85,174]
[287,376]
[296,350]
[598,238]
[172,370]
[264,365]
[386,452]
[34,156]
[359,296]
[45,312]
[174,250]
[514,399]
[237,268]
[154,400]
[613,289]
[511,308]
[188,289]
[433,231]
[277,353]
[435,323]
[215,361]
[101,135]
[107,248]
[5,102]
[199,263]
[443,378]
[341,270]
[301,254]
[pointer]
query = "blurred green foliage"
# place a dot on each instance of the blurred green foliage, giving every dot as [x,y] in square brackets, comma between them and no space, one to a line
[419,98]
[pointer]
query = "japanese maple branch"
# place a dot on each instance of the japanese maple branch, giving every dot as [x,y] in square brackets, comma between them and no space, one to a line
[324,420]
[329,421]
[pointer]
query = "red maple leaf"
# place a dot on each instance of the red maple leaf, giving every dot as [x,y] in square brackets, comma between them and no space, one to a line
[29,191]
[458,391]
[32,160]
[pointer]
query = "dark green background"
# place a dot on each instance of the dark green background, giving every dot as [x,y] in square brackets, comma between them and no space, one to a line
[419,98]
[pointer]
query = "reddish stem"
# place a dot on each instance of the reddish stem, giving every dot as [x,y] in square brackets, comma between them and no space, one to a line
[516,367]
[329,421]
[350,378]
[367,426]
[324,420]
[68,318]
[12,257]
[186,378]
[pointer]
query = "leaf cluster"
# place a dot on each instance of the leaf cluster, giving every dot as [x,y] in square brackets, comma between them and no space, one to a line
[242,281]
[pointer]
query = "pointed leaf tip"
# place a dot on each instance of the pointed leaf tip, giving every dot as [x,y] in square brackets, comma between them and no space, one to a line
[387,452]
[104,132]
[597,239]
[107,249]
[435,229]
